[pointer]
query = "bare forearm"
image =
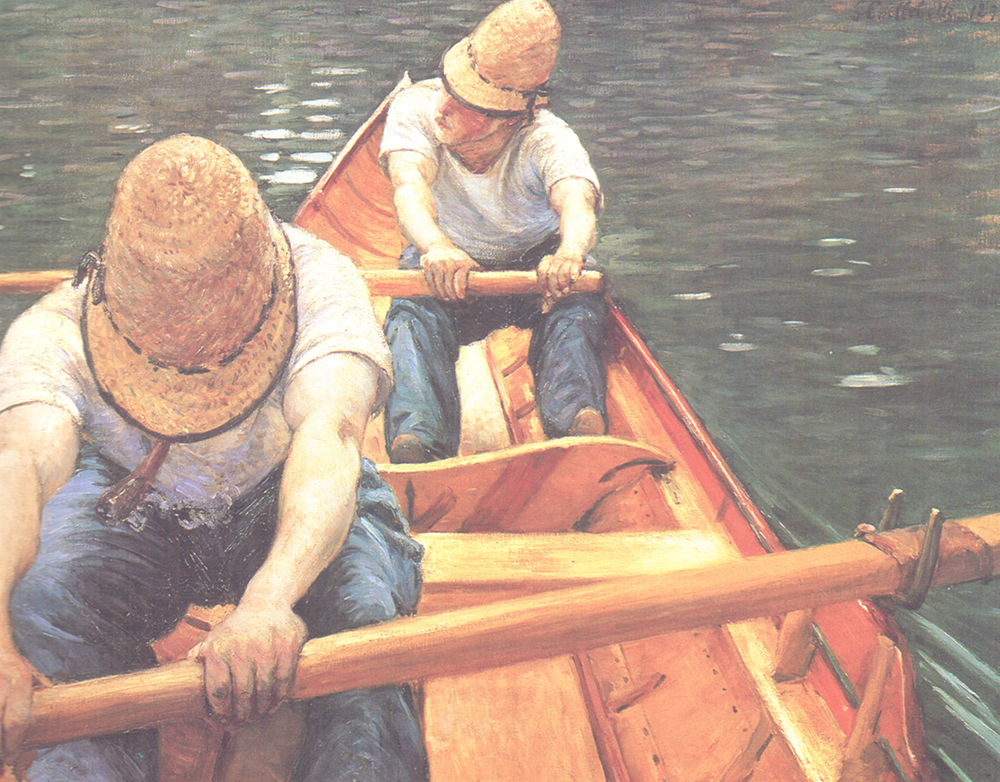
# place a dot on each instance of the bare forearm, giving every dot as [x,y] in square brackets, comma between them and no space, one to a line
[314,516]
[417,217]
[250,659]
[412,175]
[20,525]
[576,202]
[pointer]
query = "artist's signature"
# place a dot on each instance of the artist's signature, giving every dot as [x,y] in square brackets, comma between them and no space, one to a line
[927,10]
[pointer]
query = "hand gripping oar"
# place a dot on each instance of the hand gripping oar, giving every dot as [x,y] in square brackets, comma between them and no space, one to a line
[398,283]
[556,622]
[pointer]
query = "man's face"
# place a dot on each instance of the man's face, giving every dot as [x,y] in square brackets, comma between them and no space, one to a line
[455,124]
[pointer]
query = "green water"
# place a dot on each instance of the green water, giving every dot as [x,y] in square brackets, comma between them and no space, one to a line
[801,217]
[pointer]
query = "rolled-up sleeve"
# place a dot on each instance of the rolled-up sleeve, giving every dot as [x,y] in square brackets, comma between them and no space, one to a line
[335,313]
[558,154]
[408,125]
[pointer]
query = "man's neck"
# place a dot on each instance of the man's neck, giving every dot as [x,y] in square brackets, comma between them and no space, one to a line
[479,154]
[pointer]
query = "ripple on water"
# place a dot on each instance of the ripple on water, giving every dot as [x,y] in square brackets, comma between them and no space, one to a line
[332,71]
[688,267]
[834,272]
[271,134]
[833,241]
[272,89]
[843,197]
[700,296]
[312,157]
[322,135]
[292,176]
[874,380]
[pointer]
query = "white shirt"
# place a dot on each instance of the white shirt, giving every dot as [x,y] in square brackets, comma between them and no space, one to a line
[42,360]
[497,215]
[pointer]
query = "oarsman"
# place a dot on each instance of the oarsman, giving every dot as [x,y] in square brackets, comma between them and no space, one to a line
[183,426]
[486,177]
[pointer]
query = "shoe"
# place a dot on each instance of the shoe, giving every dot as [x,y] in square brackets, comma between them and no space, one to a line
[409,449]
[588,423]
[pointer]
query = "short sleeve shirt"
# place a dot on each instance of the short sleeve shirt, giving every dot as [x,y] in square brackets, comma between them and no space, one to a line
[497,215]
[42,360]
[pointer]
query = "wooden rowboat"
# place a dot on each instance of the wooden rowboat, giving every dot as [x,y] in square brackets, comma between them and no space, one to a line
[611,608]
[694,705]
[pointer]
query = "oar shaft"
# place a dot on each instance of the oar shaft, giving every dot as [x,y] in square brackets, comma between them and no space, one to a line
[539,626]
[33,282]
[391,282]
[405,282]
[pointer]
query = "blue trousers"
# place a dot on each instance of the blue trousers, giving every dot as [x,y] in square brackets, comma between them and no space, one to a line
[96,595]
[425,334]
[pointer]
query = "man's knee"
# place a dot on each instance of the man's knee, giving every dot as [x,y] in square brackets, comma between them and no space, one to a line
[347,598]
[587,309]
[368,602]
[51,628]
[367,584]
[420,314]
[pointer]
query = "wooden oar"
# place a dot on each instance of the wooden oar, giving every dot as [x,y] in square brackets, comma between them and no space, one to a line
[556,622]
[390,282]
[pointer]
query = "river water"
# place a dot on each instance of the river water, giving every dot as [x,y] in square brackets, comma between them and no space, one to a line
[802,217]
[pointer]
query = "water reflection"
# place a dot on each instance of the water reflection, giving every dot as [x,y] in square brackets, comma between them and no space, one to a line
[802,217]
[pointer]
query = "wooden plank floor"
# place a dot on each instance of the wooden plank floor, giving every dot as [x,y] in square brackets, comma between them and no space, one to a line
[520,722]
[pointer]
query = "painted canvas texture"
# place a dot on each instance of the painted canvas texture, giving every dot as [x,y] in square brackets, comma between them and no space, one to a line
[798,223]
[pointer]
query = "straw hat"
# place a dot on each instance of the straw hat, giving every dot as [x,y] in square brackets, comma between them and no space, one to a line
[500,68]
[190,312]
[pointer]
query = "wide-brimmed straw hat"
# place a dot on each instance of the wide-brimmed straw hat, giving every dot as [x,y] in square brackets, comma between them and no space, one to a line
[190,310]
[502,66]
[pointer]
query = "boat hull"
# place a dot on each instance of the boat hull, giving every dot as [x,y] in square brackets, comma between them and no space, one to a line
[690,705]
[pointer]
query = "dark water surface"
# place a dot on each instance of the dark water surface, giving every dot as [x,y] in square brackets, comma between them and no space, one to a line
[802,217]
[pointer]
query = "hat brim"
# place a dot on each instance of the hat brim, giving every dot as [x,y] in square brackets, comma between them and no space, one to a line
[467,86]
[183,404]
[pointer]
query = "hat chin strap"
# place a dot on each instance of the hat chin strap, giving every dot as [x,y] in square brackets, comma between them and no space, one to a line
[120,501]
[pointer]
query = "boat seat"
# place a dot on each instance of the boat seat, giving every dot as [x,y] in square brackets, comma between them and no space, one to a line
[464,568]
[497,392]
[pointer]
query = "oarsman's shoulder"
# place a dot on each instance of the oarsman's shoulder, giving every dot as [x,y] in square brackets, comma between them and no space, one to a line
[548,126]
[335,313]
[54,317]
[42,357]
[556,152]
[314,256]
[409,124]
[419,93]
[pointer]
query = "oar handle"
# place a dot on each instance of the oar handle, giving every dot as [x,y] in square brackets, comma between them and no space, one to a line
[399,283]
